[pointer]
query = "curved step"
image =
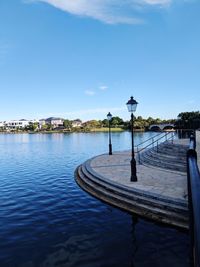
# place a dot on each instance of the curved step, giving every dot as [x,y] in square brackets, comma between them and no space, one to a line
[159,211]
[131,205]
[149,198]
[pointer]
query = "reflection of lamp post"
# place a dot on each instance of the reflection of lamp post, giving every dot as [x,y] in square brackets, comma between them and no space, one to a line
[109,117]
[132,105]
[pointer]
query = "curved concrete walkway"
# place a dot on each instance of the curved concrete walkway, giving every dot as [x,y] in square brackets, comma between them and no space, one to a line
[159,194]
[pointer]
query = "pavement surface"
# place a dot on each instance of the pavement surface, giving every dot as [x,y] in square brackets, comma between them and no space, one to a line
[166,183]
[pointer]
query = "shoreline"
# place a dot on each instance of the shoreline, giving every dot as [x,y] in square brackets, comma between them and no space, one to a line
[113,130]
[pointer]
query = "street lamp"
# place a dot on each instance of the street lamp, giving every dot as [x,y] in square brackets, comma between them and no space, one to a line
[179,126]
[109,117]
[132,105]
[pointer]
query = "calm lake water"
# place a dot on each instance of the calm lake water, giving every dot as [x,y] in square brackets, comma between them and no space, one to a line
[47,220]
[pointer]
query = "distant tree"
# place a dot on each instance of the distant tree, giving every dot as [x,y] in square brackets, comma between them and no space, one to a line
[117,121]
[92,124]
[67,124]
[44,127]
[105,123]
[31,127]
[150,120]
[189,120]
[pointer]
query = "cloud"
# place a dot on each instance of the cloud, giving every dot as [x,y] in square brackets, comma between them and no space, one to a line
[103,87]
[89,92]
[158,2]
[107,11]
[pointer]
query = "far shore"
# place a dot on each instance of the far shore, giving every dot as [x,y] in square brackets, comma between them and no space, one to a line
[93,130]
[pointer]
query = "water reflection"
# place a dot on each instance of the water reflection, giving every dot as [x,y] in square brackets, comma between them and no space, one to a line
[47,220]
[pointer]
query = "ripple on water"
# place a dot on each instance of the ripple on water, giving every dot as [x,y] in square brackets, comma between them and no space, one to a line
[47,220]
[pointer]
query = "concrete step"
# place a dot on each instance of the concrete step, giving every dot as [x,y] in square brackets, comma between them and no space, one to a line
[145,158]
[156,210]
[134,194]
[165,157]
[173,148]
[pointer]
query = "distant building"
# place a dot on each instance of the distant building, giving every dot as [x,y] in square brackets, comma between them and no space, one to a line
[42,122]
[2,124]
[76,123]
[16,124]
[54,122]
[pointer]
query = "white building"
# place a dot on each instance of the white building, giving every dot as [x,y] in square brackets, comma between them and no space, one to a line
[76,123]
[16,124]
[55,122]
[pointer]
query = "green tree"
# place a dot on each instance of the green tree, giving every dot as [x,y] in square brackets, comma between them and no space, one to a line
[92,124]
[67,124]
[117,121]
[105,123]
[189,120]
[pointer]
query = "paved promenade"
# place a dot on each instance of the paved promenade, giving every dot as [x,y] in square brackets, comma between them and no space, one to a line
[159,194]
[116,168]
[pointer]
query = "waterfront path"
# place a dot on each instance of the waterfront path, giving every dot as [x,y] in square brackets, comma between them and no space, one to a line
[160,193]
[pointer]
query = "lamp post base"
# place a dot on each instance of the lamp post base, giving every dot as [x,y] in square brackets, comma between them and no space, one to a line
[110,149]
[133,171]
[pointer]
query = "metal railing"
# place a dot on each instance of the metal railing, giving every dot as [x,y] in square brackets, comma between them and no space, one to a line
[153,142]
[193,176]
[184,133]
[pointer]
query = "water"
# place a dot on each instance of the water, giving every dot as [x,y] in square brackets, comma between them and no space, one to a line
[47,220]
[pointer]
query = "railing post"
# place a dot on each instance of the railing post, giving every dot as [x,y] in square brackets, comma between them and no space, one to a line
[193,179]
[190,207]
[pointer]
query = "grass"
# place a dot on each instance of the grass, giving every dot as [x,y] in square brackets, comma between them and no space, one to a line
[106,129]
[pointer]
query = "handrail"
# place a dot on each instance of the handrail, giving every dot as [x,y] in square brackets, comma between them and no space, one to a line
[153,142]
[193,177]
[149,139]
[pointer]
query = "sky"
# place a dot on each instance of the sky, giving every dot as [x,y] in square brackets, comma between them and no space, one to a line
[84,58]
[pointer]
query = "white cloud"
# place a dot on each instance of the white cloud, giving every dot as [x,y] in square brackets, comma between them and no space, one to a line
[89,92]
[103,87]
[107,11]
[158,2]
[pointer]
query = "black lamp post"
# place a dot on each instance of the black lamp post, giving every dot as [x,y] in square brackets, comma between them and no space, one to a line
[132,105]
[179,126]
[109,117]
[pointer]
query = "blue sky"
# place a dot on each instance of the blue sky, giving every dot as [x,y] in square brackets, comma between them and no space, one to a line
[83,58]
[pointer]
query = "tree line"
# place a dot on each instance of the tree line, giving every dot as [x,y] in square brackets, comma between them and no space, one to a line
[185,120]
[116,122]
[188,120]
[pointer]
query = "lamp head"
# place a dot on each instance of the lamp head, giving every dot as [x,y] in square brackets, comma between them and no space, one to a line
[109,116]
[132,105]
